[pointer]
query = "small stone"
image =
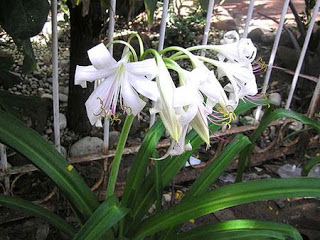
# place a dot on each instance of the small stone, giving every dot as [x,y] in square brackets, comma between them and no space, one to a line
[46,95]
[63,97]
[255,35]
[268,38]
[62,121]
[113,138]
[85,146]
[275,99]
[63,152]
[34,86]
[42,231]
[49,131]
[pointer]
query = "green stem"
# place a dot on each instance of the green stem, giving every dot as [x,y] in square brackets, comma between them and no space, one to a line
[134,54]
[136,35]
[117,158]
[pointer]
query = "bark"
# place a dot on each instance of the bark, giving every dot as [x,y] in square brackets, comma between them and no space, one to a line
[84,32]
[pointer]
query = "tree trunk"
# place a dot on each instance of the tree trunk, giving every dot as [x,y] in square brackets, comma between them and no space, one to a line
[84,32]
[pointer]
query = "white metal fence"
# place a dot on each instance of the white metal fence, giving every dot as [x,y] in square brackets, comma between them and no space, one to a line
[5,171]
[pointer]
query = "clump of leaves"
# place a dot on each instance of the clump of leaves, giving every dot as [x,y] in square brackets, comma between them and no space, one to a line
[183,30]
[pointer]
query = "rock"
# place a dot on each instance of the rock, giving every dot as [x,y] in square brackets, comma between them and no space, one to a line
[64,65]
[63,97]
[255,35]
[64,90]
[49,131]
[62,121]
[224,215]
[275,99]
[63,152]
[87,145]
[268,38]
[289,57]
[42,231]
[113,138]
[46,95]
[223,20]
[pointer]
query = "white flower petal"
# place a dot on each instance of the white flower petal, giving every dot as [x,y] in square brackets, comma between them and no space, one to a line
[183,96]
[189,114]
[147,68]
[101,58]
[131,98]
[95,109]
[145,87]
[85,74]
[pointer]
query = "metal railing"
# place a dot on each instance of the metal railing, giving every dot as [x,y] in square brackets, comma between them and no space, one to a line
[6,172]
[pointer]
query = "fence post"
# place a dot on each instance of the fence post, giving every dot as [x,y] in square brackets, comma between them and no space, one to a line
[55,81]
[207,26]
[302,54]
[273,55]
[249,17]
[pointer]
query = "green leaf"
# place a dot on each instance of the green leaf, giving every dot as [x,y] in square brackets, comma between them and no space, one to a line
[29,60]
[204,4]
[118,155]
[309,165]
[243,235]
[211,173]
[228,196]
[150,6]
[35,210]
[136,175]
[242,226]
[170,168]
[106,215]
[265,121]
[23,19]
[43,155]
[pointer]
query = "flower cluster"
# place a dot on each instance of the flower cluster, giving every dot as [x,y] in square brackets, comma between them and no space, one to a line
[198,99]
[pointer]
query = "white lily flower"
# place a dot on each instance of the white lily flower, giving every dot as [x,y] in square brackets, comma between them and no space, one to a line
[243,81]
[189,96]
[164,105]
[235,50]
[122,80]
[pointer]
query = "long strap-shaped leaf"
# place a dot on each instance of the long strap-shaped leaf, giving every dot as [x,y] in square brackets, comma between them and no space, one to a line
[244,235]
[210,174]
[42,154]
[266,120]
[170,168]
[213,230]
[139,166]
[228,196]
[35,210]
[106,215]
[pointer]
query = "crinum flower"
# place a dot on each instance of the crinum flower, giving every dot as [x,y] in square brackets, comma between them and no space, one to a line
[122,81]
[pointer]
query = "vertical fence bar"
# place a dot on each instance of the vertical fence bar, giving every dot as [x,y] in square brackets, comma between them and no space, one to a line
[112,15]
[315,100]
[163,24]
[273,54]
[3,157]
[249,17]
[302,54]
[4,164]
[161,44]
[207,26]
[55,81]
